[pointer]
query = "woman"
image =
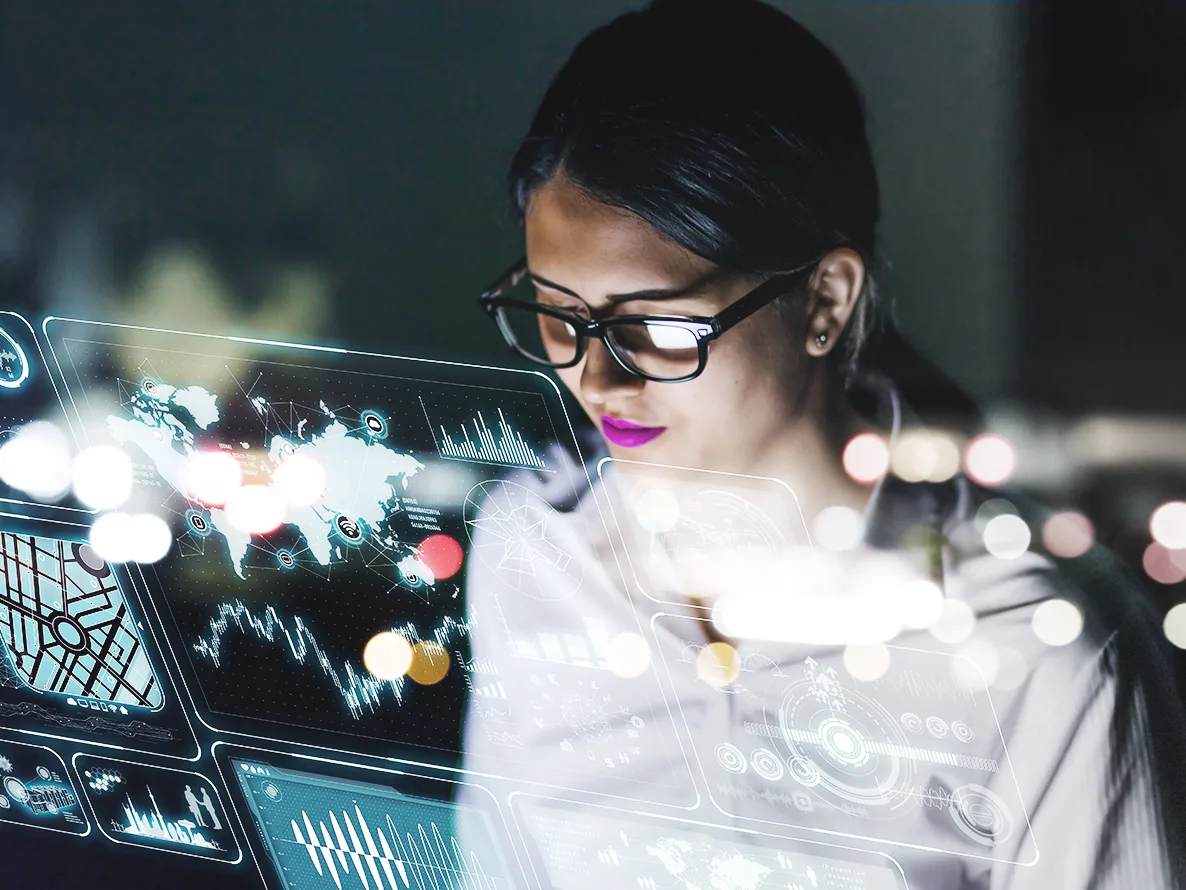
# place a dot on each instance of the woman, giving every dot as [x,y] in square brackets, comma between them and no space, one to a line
[705,164]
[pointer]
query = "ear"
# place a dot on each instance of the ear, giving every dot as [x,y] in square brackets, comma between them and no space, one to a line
[834,289]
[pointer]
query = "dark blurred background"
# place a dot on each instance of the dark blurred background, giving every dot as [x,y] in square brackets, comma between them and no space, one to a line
[334,173]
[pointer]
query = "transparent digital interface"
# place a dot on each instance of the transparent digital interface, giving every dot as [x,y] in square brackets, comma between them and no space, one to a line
[273,620]
[682,529]
[28,393]
[165,809]
[914,758]
[398,612]
[588,848]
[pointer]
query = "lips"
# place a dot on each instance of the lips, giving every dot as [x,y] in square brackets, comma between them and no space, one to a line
[627,433]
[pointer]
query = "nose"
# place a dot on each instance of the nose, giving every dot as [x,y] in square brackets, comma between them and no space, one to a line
[603,380]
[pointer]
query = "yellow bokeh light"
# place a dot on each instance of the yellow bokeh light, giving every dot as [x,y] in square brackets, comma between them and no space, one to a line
[718,664]
[387,655]
[430,663]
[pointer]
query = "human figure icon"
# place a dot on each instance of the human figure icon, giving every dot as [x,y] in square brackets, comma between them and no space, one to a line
[208,804]
[195,807]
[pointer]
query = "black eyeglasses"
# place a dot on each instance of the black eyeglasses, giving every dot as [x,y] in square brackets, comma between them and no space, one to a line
[662,348]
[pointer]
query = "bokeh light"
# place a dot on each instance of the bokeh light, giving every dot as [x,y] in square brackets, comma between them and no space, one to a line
[925,456]
[255,509]
[299,480]
[387,655]
[442,554]
[866,458]
[990,459]
[838,528]
[1163,565]
[102,477]
[1011,669]
[1057,622]
[123,537]
[1006,536]
[867,661]
[718,664]
[976,665]
[1175,625]
[38,460]
[211,476]
[1167,525]
[920,603]
[956,622]
[430,663]
[1068,534]
[657,510]
[629,655]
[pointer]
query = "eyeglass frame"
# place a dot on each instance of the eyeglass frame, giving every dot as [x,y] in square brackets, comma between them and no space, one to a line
[704,328]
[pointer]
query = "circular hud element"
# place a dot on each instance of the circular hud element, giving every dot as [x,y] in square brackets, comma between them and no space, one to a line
[981,814]
[767,765]
[714,522]
[845,748]
[730,757]
[521,537]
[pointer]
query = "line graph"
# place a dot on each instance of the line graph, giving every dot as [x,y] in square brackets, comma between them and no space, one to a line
[360,691]
[323,831]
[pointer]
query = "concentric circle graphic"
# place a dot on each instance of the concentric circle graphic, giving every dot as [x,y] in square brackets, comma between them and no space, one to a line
[767,765]
[731,758]
[912,722]
[845,746]
[981,815]
[937,727]
[962,731]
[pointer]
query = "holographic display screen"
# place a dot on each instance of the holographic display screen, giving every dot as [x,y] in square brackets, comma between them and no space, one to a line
[287,620]
[322,832]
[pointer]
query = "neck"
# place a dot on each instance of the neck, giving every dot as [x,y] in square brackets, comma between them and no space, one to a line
[807,452]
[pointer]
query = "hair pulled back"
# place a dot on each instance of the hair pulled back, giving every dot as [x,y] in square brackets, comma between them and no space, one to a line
[725,125]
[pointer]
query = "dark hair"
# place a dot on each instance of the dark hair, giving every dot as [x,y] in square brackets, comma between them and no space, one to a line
[725,125]
[736,133]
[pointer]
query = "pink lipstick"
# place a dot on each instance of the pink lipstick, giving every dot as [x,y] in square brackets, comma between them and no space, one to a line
[628,434]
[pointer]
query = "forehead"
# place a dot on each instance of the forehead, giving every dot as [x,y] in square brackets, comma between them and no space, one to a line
[590,247]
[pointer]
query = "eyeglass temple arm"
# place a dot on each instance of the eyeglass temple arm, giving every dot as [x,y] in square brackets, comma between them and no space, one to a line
[509,278]
[767,292]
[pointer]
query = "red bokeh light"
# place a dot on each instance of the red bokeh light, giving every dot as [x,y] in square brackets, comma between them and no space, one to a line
[442,554]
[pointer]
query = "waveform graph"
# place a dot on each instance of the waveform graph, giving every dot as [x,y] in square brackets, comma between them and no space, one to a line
[322,833]
[486,441]
[296,645]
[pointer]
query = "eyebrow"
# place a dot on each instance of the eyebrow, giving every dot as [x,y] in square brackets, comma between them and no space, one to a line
[696,287]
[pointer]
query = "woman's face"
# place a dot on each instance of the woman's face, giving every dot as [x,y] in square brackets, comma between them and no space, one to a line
[754,386]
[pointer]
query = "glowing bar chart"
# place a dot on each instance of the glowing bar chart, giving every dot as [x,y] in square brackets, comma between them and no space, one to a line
[504,445]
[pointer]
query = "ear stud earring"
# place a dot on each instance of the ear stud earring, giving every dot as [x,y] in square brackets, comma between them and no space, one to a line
[821,339]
